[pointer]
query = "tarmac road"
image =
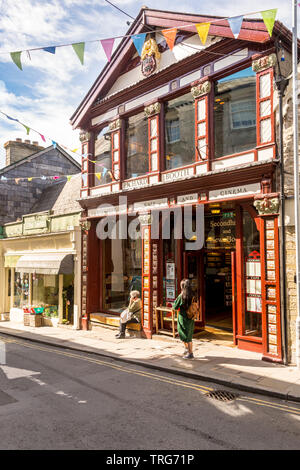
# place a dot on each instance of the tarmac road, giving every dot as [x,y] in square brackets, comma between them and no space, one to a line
[54,398]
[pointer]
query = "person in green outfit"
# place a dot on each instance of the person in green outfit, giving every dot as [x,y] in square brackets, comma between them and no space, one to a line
[185,325]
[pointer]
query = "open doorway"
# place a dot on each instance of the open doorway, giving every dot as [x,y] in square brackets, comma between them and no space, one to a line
[217,266]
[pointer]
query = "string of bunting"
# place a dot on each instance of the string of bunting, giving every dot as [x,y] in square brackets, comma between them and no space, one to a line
[169,34]
[99,175]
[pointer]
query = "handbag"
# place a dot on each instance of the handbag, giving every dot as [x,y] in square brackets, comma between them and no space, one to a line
[192,310]
[125,316]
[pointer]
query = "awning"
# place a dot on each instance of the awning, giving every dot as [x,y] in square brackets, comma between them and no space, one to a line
[46,263]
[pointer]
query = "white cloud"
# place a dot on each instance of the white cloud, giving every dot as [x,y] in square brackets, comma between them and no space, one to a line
[49,89]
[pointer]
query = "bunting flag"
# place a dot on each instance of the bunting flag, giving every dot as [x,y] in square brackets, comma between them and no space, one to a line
[54,144]
[50,49]
[202,29]
[108,45]
[79,49]
[11,119]
[29,179]
[235,24]
[98,176]
[69,177]
[17,180]
[55,177]
[27,128]
[138,40]
[105,170]
[42,137]
[170,36]
[16,57]
[269,19]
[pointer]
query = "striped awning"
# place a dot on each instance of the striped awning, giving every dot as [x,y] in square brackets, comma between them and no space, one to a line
[46,263]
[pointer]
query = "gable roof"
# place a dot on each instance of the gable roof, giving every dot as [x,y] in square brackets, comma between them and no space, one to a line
[146,21]
[39,154]
[60,198]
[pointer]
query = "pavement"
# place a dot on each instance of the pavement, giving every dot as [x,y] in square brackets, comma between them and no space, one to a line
[216,360]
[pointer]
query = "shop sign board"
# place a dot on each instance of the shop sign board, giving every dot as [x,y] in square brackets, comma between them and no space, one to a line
[234,191]
[177,175]
[187,198]
[149,205]
[135,184]
[106,210]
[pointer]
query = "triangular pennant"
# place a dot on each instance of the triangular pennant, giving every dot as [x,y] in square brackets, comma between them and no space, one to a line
[50,49]
[104,171]
[3,178]
[29,179]
[11,119]
[54,144]
[269,19]
[17,180]
[108,45]
[202,30]
[43,177]
[55,177]
[98,176]
[69,177]
[74,150]
[79,49]
[235,24]
[42,137]
[170,36]
[16,57]
[27,129]
[138,40]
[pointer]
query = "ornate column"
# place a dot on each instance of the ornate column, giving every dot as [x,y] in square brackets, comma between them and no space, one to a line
[87,167]
[149,274]
[267,206]
[117,167]
[152,112]
[264,68]
[85,226]
[201,92]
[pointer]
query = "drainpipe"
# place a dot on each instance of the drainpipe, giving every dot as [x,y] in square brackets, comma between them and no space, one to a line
[281,84]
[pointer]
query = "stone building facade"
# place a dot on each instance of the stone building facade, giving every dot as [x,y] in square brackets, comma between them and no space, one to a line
[28,160]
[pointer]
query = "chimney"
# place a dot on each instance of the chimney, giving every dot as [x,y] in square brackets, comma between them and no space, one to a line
[17,150]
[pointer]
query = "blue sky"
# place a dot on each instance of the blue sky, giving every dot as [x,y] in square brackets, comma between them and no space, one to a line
[46,93]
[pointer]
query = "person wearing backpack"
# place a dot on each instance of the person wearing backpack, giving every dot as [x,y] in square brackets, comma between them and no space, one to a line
[185,321]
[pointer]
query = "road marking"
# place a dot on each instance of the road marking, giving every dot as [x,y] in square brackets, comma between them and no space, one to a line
[200,388]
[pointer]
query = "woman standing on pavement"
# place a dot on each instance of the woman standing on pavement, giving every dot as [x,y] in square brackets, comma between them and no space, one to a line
[185,325]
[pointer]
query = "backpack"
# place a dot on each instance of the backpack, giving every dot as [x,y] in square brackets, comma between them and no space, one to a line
[192,310]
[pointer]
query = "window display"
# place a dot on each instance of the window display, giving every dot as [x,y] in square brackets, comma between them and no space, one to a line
[235,113]
[180,131]
[21,290]
[103,157]
[137,161]
[122,272]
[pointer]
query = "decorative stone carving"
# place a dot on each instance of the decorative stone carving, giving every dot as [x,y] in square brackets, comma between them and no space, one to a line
[264,63]
[85,225]
[152,109]
[267,205]
[201,89]
[149,57]
[84,136]
[145,219]
[115,125]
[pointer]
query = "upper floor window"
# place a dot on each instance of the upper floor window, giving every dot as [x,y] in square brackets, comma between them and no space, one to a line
[235,113]
[180,131]
[137,161]
[103,157]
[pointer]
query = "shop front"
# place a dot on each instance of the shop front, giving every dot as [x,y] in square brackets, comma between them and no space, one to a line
[231,259]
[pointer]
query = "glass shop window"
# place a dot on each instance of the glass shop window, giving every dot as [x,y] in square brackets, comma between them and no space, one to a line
[235,113]
[45,290]
[180,131]
[103,157]
[252,270]
[137,161]
[21,289]
[122,271]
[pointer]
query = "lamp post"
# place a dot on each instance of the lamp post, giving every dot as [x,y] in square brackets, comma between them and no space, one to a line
[296,172]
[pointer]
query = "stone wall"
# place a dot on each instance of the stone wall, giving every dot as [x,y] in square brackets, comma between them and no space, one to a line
[17,199]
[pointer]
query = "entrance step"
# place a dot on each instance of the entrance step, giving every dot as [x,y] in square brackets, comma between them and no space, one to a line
[105,319]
